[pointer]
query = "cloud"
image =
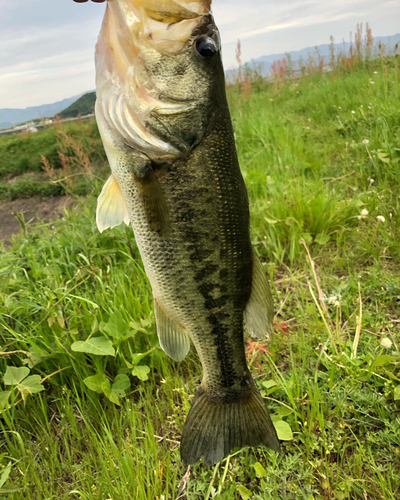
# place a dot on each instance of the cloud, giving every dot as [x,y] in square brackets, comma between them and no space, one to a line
[47,46]
[41,65]
[310,21]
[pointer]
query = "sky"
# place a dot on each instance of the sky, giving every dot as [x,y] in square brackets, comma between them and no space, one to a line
[47,46]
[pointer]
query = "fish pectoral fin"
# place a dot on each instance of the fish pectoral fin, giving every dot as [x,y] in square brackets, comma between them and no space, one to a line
[153,202]
[259,311]
[111,207]
[173,338]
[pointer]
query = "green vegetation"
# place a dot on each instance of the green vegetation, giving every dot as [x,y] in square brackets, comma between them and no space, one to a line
[25,187]
[93,409]
[83,106]
[64,151]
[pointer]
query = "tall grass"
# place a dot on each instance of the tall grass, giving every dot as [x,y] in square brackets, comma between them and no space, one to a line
[320,157]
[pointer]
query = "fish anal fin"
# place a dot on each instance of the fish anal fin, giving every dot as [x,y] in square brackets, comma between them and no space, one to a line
[259,311]
[111,207]
[215,427]
[173,338]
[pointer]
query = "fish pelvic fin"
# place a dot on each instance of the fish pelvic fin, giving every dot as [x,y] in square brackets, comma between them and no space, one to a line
[111,207]
[174,340]
[214,426]
[259,311]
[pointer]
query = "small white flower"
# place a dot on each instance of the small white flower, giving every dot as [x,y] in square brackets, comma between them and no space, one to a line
[271,100]
[364,212]
[371,180]
[332,299]
[365,141]
[339,107]
[381,218]
[375,72]
[386,343]
[372,83]
[353,112]
[337,304]
[390,215]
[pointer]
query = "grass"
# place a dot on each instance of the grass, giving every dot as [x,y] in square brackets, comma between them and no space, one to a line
[314,183]
[65,149]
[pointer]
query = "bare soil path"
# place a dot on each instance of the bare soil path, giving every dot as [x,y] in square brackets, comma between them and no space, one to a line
[34,210]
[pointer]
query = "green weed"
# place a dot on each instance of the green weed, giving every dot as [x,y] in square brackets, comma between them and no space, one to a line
[101,417]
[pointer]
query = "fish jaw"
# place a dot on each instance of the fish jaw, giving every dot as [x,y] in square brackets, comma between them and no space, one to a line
[165,24]
[134,33]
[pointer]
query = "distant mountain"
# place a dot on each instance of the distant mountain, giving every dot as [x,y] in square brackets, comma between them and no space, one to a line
[10,117]
[83,106]
[265,62]
[84,103]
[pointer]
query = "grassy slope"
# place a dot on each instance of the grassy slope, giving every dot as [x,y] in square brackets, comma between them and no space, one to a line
[21,158]
[83,106]
[309,174]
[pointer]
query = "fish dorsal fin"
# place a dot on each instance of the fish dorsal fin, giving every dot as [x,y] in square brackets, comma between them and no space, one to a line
[111,207]
[173,338]
[259,312]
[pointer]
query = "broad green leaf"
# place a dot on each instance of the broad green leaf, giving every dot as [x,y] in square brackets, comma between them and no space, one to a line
[145,322]
[95,326]
[112,396]
[269,181]
[5,474]
[116,326]
[121,384]
[137,326]
[284,412]
[383,157]
[95,382]
[141,372]
[397,393]
[4,397]
[269,383]
[99,346]
[137,357]
[307,237]
[14,375]
[260,471]
[384,359]
[283,430]
[322,238]
[32,384]
[244,492]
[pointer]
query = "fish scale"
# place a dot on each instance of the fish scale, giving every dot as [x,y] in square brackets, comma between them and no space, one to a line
[176,177]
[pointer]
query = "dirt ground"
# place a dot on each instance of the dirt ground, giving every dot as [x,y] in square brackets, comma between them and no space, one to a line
[34,210]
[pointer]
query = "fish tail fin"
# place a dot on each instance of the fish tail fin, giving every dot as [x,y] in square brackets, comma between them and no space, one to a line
[215,426]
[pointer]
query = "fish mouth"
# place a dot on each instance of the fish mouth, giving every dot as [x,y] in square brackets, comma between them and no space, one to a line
[171,11]
[127,97]
[165,24]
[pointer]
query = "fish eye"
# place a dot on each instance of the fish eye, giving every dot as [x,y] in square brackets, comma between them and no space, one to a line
[206,48]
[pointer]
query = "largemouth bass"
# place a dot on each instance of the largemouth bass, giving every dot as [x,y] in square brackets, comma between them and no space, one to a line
[165,124]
